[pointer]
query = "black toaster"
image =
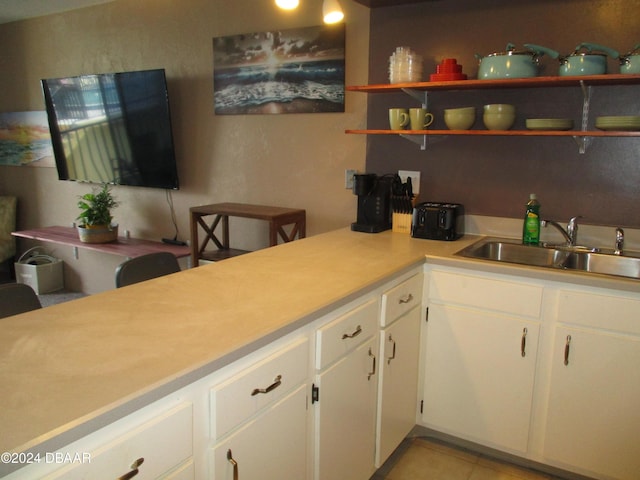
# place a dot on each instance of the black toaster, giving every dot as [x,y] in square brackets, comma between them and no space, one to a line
[438,221]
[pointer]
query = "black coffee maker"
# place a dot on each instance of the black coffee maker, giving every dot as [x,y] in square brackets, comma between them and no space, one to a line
[374,202]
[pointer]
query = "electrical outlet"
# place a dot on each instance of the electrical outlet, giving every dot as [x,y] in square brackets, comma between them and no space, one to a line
[415,179]
[348,178]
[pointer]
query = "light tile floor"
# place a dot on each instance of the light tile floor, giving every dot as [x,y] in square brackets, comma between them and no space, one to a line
[423,459]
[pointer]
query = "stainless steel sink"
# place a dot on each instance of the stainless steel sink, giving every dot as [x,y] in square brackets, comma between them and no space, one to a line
[576,259]
[502,251]
[602,263]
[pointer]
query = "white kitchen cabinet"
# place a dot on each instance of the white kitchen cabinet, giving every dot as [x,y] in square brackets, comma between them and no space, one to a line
[344,395]
[480,359]
[592,420]
[398,389]
[271,446]
[161,447]
[259,417]
[399,360]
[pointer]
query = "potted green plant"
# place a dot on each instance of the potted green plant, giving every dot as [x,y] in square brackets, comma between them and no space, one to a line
[95,216]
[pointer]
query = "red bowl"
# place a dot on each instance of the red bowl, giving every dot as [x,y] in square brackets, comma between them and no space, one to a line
[447,77]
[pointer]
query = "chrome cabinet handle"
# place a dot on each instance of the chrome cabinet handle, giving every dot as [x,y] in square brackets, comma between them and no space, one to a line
[393,351]
[523,342]
[276,383]
[134,471]
[373,372]
[566,350]
[406,299]
[234,463]
[357,332]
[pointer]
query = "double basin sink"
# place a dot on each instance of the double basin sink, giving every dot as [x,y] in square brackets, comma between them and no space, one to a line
[558,257]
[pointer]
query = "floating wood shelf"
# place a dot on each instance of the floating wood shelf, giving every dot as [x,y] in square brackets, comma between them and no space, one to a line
[506,133]
[419,91]
[534,82]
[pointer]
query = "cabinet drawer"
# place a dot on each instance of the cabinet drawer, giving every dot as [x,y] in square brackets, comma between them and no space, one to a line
[273,445]
[164,443]
[400,299]
[487,293]
[611,312]
[241,396]
[345,333]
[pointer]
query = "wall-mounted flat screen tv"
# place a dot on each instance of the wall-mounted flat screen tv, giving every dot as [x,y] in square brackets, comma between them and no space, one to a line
[112,128]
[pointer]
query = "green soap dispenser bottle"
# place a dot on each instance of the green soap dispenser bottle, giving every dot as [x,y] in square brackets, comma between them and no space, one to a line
[531,227]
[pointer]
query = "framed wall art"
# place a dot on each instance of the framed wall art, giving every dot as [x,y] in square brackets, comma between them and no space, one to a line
[298,70]
[25,139]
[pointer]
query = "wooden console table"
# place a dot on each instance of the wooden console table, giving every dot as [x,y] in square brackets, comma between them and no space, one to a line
[277,217]
[126,247]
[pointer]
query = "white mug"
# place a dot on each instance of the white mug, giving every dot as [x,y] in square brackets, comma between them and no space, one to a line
[420,118]
[398,118]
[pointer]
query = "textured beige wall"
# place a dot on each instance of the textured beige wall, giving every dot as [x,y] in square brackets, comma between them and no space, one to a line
[286,160]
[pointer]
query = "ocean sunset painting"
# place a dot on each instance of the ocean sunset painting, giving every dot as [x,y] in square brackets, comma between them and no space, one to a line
[285,71]
[25,139]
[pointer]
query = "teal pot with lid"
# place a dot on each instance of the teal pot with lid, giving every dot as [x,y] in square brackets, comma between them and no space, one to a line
[630,62]
[587,59]
[511,63]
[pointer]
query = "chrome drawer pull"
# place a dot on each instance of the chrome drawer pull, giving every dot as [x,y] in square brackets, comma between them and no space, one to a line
[373,372]
[406,299]
[276,383]
[566,350]
[234,463]
[134,470]
[523,342]
[393,352]
[357,332]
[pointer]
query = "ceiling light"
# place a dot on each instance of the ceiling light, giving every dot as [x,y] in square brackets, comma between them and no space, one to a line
[331,11]
[287,4]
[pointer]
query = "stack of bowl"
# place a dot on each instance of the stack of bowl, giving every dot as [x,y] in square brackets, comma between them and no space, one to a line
[405,66]
[499,116]
[460,118]
[447,71]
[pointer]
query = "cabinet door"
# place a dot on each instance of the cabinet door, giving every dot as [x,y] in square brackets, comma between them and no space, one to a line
[478,384]
[345,416]
[593,420]
[398,389]
[272,446]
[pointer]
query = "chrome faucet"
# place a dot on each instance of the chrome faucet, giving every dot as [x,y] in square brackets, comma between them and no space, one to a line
[570,235]
[619,241]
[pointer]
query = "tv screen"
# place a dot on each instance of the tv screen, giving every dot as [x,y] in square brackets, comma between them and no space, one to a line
[112,128]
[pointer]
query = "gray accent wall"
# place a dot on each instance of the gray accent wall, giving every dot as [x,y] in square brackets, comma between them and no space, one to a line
[494,175]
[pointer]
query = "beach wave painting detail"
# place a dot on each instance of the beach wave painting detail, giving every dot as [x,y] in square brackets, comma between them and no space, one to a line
[288,71]
[25,139]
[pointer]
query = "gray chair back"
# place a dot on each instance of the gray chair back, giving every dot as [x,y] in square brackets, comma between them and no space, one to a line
[17,298]
[146,267]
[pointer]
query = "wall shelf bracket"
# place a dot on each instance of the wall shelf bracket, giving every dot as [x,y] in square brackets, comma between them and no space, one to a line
[419,95]
[583,141]
[419,139]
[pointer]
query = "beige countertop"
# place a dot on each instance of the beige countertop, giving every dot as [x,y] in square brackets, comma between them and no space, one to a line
[69,369]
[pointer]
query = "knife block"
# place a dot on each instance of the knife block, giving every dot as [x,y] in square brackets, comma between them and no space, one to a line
[401,222]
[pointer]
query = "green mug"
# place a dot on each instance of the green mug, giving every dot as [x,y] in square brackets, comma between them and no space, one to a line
[398,118]
[419,118]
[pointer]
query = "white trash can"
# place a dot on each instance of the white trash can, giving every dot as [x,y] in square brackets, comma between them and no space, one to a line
[40,271]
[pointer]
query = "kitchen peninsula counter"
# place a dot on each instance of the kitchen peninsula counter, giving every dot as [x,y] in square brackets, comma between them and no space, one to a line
[70,369]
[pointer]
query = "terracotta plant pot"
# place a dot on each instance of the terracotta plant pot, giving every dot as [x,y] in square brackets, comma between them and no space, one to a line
[98,233]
